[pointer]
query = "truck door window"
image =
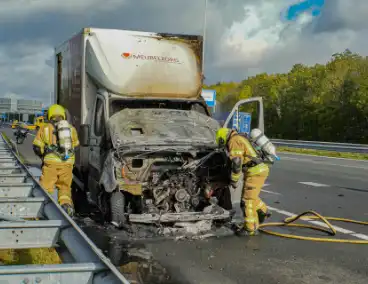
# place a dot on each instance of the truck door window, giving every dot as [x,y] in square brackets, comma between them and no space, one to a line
[99,123]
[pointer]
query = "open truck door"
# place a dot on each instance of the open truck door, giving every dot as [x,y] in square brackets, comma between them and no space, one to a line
[245,102]
[235,110]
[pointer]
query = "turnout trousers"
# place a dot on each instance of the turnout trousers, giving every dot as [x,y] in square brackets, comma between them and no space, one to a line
[254,208]
[61,176]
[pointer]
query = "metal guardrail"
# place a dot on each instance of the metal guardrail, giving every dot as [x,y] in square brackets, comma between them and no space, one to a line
[31,218]
[328,146]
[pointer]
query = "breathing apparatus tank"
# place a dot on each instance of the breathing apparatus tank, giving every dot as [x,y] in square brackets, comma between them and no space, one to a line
[64,133]
[264,144]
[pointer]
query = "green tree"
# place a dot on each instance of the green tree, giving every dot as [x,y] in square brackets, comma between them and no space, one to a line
[321,102]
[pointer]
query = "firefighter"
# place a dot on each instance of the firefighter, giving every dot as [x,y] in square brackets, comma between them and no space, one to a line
[57,162]
[245,158]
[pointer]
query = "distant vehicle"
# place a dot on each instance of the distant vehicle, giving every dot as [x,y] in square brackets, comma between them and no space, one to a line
[15,124]
[39,121]
[20,135]
[147,138]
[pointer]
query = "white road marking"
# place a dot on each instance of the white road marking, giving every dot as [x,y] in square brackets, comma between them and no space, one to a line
[281,211]
[327,164]
[268,191]
[338,229]
[360,236]
[314,184]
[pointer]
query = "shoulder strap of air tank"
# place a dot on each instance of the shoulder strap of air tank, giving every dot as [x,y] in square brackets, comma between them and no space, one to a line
[245,135]
[254,161]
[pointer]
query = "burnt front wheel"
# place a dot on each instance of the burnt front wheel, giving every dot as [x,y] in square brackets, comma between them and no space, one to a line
[117,203]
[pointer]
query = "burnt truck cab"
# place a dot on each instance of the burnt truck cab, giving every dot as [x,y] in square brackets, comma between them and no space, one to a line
[147,141]
[143,156]
[152,160]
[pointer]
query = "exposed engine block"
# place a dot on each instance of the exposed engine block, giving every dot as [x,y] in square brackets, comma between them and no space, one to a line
[173,192]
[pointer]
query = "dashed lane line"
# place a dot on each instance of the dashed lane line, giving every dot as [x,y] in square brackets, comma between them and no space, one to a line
[315,184]
[360,236]
[271,192]
[338,229]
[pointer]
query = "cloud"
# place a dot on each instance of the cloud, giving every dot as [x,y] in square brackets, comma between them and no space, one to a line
[23,72]
[50,28]
[14,9]
[243,37]
[267,41]
[262,31]
[341,15]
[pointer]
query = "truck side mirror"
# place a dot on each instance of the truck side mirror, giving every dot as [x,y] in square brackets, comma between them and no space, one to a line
[84,134]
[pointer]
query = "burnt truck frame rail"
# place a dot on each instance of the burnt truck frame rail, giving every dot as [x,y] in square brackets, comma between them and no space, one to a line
[22,198]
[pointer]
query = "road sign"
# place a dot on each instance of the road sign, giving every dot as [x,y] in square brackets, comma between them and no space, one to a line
[209,96]
[244,122]
[241,121]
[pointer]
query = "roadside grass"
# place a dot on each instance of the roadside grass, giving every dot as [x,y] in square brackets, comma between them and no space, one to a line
[28,256]
[346,155]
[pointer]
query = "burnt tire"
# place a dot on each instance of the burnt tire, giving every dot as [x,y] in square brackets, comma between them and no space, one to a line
[117,205]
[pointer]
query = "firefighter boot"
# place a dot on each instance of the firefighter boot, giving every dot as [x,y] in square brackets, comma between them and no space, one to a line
[262,211]
[243,229]
[240,231]
[68,209]
[262,216]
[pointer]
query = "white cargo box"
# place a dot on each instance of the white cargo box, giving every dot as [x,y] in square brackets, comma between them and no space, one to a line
[136,64]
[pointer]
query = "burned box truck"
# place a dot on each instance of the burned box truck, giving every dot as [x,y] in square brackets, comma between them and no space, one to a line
[148,148]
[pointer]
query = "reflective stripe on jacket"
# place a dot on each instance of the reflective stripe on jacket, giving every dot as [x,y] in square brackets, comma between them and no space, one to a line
[239,146]
[46,136]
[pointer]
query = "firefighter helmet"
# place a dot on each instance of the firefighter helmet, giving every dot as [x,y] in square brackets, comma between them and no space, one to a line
[222,136]
[56,110]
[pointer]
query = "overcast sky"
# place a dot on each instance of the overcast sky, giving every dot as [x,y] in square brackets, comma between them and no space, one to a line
[244,37]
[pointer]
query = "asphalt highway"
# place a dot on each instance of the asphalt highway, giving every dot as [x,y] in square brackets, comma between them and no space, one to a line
[330,186]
